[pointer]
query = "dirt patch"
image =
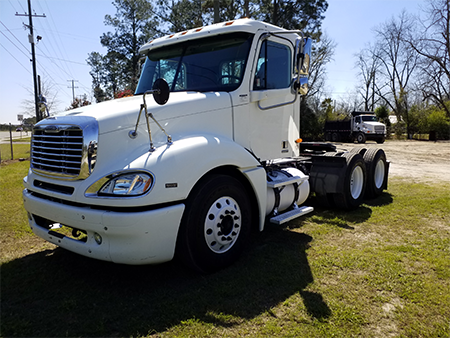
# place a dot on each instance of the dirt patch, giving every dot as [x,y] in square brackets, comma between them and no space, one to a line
[6,162]
[420,161]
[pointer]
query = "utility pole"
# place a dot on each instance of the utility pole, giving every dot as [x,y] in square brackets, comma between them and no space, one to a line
[216,11]
[73,89]
[33,58]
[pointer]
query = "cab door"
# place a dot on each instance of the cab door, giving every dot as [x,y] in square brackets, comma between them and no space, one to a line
[273,107]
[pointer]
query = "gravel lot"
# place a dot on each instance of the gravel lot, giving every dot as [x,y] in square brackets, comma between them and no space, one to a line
[421,161]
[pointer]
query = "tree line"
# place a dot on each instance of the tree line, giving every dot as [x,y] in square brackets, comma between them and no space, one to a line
[138,21]
[406,69]
[403,71]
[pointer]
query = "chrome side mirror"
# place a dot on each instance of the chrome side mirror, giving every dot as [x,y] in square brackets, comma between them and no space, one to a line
[302,59]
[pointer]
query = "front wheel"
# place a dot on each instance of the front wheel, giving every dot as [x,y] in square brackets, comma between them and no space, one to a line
[381,140]
[361,138]
[215,224]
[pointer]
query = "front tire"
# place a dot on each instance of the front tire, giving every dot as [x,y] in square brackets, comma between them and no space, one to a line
[215,225]
[361,138]
[381,140]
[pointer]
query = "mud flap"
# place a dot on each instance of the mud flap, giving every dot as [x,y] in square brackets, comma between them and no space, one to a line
[327,174]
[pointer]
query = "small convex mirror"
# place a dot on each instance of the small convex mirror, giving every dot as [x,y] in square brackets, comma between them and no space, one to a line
[161,91]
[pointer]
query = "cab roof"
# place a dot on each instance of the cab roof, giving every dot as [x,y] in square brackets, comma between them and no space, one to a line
[240,25]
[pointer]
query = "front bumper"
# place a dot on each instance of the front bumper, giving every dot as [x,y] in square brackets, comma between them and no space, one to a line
[144,237]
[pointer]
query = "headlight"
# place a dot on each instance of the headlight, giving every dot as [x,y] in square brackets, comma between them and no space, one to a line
[129,184]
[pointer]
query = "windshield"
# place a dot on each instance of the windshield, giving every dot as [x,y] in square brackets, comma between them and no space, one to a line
[210,64]
[369,118]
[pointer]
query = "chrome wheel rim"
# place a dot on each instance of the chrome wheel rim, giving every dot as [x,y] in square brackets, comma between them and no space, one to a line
[222,224]
[356,182]
[379,174]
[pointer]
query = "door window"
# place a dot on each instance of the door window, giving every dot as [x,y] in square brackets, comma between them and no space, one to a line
[273,70]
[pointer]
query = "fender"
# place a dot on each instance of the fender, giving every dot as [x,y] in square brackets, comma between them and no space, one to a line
[179,166]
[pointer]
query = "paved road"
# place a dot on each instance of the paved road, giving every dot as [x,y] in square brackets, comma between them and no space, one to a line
[4,135]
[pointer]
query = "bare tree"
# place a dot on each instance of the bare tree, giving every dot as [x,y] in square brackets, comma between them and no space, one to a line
[48,91]
[398,63]
[433,45]
[369,66]
[322,54]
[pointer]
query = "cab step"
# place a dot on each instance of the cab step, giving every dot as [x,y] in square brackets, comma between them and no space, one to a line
[290,215]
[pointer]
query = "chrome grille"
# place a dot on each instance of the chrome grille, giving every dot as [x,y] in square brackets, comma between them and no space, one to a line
[379,129]
[64,151]
[58,151]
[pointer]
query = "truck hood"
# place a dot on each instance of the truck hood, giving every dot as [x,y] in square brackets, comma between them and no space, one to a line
[370,123]
[120,114]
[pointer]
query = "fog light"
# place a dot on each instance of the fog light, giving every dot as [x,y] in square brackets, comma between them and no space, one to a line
[98,238]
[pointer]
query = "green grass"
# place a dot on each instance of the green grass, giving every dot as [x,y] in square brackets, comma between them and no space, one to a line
[22,139]
[19,151]
[12,213]
[379,271]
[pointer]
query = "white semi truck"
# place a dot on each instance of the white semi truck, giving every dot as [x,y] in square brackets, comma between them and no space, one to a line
[218,154]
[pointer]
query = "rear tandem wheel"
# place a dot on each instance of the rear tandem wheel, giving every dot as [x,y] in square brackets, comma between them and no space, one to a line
[377,174]
[354,185]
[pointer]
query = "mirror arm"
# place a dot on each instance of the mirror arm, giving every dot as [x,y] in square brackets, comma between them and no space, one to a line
[133,133]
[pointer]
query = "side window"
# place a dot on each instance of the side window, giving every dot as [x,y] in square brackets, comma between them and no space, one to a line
[273,70]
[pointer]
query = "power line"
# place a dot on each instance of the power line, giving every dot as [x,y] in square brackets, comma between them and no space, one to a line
[20,4]
[53,58]
[48,75]
[13,36]
[15,45]
[16,59]
[59,45]
[62,65]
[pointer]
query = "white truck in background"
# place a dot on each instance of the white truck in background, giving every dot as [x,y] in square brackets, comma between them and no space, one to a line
[358,126]
[218,154]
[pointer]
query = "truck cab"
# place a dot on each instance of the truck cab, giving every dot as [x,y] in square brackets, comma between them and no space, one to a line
[207,150]
[365,126]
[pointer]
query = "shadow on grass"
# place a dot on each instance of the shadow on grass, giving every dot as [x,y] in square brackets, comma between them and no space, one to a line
[384,199]
[57,293]
[343,218]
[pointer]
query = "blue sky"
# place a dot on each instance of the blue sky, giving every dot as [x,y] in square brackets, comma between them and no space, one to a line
[72,29]
[350,23]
